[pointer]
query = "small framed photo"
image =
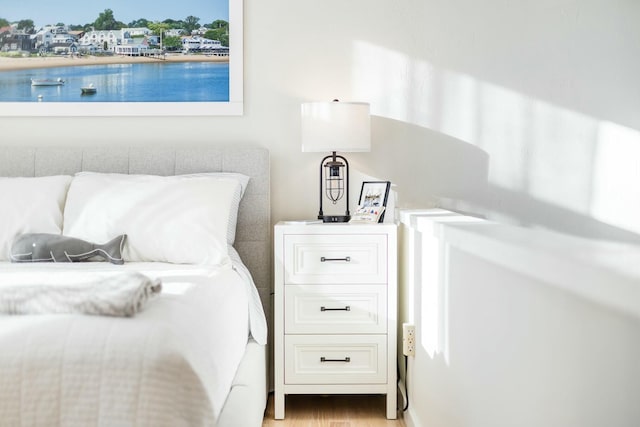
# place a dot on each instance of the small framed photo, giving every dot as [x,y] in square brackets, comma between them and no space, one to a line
[374,194]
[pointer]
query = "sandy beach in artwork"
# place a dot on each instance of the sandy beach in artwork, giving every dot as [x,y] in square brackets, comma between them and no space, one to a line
[10,64]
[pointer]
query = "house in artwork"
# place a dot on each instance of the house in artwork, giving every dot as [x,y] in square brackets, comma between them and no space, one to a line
[12,40]
[201,44]
[105,40]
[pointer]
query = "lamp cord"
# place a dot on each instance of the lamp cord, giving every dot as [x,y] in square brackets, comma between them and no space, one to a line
[406,383]
[406,387]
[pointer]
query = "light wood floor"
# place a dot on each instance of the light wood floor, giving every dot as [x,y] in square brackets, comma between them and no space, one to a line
[332,411]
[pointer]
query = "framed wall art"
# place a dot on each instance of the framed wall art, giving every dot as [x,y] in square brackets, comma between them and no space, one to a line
[121,58]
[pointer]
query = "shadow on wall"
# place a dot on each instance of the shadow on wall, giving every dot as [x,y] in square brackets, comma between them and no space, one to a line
[532,212]
[495,152]
[424,164]
[430,169]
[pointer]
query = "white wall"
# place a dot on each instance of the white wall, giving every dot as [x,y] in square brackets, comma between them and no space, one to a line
[523,111]
[526,111]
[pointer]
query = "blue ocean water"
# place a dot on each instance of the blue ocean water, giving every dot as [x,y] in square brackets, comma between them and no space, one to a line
[147,82]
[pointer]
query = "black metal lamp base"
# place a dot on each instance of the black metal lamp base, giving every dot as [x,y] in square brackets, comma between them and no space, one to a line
[334,218]
[333,162]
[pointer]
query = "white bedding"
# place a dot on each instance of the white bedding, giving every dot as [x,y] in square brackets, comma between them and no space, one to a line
[171,365]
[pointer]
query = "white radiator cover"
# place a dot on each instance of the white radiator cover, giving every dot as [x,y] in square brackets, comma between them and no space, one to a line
[517,326]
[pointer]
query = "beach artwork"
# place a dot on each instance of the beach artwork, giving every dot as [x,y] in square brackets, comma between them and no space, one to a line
[121,58]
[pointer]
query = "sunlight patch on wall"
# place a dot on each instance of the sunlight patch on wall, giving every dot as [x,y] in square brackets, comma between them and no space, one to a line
[433,302]
[386,79]
[616,170]
[502,132]
[542,154]
[560,164]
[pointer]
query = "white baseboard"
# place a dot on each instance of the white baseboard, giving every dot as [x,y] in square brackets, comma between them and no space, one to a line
[408,417]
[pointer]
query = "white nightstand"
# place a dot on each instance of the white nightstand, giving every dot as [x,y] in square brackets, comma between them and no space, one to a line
[335,311]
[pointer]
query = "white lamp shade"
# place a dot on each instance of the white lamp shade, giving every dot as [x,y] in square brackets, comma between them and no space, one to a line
[336,126]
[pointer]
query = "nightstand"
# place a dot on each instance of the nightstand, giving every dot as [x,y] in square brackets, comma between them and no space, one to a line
[335,311]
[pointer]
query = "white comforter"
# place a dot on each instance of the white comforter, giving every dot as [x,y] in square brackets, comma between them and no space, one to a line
[171,365]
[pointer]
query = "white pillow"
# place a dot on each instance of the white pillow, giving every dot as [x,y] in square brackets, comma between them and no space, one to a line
[30,205]
[243,181]
[177,219]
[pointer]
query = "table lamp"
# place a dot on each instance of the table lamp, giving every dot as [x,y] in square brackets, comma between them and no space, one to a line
[335,126]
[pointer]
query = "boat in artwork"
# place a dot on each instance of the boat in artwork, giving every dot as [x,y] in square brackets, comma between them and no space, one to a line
[47,82]
[88,90]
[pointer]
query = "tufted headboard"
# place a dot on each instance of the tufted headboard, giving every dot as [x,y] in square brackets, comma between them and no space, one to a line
[254,224]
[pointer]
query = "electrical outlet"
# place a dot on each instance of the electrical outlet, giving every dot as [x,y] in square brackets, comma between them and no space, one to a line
[408,339]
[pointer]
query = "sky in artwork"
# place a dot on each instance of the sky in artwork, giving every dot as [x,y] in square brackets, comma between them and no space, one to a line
[76,12]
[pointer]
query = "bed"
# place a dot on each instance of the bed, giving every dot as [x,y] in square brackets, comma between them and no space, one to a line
[196,353]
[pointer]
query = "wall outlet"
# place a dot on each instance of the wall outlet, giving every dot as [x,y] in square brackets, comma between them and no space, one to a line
[408,339]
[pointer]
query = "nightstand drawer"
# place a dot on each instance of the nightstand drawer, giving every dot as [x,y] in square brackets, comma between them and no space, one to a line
[327,258]
[335,359]
[336,309]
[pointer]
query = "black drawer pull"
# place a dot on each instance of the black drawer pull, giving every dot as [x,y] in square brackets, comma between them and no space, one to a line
[347,308]
[345,259]
[324,359]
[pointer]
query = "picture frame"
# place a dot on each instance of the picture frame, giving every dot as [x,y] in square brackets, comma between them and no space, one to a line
[233,106]
[374,194]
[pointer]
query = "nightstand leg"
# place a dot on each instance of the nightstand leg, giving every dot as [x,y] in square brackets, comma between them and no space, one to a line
[278,404]
[392,401]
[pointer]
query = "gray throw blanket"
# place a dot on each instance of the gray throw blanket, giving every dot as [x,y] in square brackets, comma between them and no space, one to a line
[120,295]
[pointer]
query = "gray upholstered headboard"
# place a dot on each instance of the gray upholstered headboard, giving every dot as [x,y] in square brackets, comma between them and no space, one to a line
[254,224]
